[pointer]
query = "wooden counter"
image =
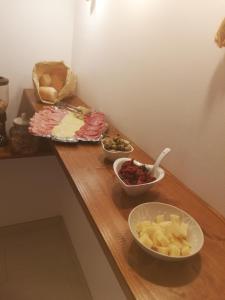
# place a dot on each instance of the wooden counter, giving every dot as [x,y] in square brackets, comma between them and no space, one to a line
[107,207]
[45,149]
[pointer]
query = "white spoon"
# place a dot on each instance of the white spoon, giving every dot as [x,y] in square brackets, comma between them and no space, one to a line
[158,160]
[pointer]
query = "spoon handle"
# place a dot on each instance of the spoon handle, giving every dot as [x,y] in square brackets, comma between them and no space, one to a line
[158,160]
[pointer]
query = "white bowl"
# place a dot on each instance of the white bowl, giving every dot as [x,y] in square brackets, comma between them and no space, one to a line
[148,211]
[137,189]
[112,155]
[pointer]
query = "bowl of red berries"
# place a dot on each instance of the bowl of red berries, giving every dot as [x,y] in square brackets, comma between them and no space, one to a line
[134,177]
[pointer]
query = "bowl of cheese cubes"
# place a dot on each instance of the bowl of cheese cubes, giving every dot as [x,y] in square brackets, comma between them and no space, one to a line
[165,231]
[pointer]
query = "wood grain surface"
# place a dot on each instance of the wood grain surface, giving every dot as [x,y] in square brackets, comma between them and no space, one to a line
[107,207]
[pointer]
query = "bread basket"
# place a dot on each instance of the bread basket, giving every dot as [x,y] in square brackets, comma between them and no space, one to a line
[53,81]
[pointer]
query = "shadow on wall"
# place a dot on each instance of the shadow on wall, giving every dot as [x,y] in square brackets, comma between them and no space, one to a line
[216,91]
[92,7]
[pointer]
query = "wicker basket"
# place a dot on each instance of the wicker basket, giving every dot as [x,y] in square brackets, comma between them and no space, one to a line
[61,78]
[220,35]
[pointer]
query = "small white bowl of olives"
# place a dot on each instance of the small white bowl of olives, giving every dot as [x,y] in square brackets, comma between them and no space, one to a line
[116,147]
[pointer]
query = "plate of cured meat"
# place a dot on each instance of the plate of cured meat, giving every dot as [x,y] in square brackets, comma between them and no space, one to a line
[68,124]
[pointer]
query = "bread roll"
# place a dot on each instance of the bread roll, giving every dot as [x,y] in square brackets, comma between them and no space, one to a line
[45,80]
[48,93]
[57,82]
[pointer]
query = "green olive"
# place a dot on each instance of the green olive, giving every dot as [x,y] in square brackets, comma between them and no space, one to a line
[116,143]
[128,148]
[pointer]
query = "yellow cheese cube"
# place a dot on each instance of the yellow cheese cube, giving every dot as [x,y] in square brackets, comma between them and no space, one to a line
[159,239]
[165,224]
[173,250]
[146,241]
[159,218]
[183,229]
[177,242]
[175,230]
[163,250]
[186,250]
[142,226]
[175,218]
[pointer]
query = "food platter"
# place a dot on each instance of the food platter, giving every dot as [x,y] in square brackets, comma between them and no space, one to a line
[68,124]
[64,140]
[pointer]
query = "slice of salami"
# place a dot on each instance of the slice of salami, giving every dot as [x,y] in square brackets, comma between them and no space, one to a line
[95,118]
[92,133]
[93,128]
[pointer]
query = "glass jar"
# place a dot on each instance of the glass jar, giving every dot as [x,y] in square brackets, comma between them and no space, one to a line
[4,100]
[21,141]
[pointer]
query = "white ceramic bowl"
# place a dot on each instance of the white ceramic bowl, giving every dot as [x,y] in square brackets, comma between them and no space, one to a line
[148,211]
[135,190]
[112,155]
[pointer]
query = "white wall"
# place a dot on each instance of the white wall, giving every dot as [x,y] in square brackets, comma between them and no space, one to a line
[101,280]
[154,69]
[31,189]
[32,31]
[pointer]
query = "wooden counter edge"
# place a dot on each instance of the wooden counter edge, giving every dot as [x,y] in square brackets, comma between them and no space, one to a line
[121,280]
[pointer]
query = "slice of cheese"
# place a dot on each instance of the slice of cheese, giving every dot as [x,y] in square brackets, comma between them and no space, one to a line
[68,126]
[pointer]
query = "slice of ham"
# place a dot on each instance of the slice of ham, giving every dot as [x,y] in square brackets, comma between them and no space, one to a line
[42,123]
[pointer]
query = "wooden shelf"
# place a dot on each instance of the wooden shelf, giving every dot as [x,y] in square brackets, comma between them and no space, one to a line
[5,152]
[45,149]
[107,208]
